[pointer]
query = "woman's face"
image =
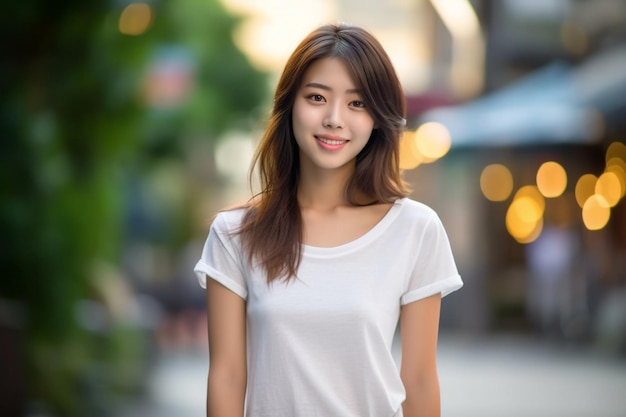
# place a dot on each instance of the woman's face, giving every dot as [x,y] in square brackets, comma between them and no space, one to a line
[330,122]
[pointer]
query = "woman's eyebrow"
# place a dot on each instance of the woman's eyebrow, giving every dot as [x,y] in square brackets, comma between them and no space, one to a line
[327,88]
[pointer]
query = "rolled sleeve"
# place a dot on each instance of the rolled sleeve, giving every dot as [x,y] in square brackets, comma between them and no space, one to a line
[435,271]
[222,259]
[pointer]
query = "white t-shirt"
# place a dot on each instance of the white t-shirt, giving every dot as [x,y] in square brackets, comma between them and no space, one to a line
[320,345]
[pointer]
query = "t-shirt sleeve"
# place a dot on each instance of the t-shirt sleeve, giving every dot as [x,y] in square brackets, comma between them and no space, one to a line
[221,259]
[435,270]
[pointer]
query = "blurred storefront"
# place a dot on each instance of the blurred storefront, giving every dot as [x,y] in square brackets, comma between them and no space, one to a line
[532,183]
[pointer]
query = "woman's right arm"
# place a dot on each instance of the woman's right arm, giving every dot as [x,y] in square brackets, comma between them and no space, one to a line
[226,386]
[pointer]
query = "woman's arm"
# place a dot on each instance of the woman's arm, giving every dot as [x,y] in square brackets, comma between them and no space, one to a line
[419,326]
[226,386]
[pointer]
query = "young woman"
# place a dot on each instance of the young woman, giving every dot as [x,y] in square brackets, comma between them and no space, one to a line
[308,281]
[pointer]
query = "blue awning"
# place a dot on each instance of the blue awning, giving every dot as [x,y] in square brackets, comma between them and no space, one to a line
[557,104]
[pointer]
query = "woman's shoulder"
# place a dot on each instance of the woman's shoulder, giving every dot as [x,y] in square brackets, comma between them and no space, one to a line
[229,218]
[411,209]
[418,217]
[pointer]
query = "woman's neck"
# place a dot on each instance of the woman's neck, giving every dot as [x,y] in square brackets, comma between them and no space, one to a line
[326,190]
[322,193]
[323,189]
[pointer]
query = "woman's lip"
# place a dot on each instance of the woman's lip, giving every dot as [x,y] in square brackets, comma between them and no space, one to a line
[332,137]
[322,141]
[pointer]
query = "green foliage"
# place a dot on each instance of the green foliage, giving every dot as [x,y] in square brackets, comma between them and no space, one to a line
[74,129]
[227,88]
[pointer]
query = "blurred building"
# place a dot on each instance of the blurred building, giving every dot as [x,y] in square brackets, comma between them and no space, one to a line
[552,113]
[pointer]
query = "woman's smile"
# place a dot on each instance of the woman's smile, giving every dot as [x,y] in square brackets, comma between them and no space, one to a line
[330,142]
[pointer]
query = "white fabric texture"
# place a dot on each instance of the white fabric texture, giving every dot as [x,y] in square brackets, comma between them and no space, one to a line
[320,345]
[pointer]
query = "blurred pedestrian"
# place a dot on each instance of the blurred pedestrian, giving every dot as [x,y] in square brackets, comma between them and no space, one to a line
[183,324]
[550,292]
[309,279]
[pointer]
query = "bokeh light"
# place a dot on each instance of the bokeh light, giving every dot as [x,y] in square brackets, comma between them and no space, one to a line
[616,150]
[527,209]
[596,212]
[410,156]
[433,140]
[609,187]
[620,173]
[496,182]
[533,202]
[585,188]
[519,222]
[551,179]
[524,217]
[534,233]
[135,19]
[615,161]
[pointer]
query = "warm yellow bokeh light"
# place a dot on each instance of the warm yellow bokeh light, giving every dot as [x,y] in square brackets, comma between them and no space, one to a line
[596,213]
[524,217]
[496,182]
[433,140]
[135,19]
[609,187]
[410,157]
[551,179]
[616,150]
[616,161]
[585,188]
[534,234]
[519,227]
[527,209]
[621,176]
[531,202]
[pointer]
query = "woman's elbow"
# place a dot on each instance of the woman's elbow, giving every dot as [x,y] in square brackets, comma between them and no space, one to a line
[427,380]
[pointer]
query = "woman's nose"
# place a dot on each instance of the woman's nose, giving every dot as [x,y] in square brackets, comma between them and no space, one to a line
[333,117]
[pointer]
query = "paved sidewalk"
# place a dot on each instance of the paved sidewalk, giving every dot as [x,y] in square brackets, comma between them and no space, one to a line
[177,388]
[480,377]
[517,377]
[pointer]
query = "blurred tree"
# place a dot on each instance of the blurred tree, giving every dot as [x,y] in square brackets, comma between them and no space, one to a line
[74,127]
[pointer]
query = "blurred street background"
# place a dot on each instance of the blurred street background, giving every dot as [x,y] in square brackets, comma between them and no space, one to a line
[126,125]
[504,375]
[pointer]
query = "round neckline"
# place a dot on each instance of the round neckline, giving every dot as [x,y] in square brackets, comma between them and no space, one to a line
[368,236]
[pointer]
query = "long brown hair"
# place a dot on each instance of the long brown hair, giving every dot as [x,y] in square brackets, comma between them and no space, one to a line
[272,225]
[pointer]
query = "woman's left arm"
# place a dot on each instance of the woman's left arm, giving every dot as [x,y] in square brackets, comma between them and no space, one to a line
[419,327]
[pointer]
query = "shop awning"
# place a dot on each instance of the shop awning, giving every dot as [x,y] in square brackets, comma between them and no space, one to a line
[557,104]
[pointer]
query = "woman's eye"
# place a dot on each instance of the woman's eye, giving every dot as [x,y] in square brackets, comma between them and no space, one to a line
[358,103]
[316,97]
